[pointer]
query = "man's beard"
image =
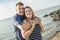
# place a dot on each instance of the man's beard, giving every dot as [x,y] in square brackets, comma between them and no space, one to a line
[21,14]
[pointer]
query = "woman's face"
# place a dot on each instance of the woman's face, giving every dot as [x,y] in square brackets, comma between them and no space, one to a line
[28,13]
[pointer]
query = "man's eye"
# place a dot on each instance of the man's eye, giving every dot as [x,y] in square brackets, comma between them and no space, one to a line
[22,8]
[19,9]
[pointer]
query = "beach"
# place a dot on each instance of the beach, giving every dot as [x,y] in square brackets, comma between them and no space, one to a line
[50,26]
[56,36]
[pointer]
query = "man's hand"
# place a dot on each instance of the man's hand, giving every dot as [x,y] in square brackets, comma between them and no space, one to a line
[37,20]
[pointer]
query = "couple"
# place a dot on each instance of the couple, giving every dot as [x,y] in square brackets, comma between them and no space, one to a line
[27,25]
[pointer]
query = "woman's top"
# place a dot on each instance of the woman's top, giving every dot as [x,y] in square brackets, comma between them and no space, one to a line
[36,35]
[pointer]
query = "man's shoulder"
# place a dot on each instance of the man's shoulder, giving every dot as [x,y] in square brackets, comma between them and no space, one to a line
[37,18]
[15,15]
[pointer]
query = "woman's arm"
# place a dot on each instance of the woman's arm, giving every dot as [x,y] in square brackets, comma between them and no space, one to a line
[24,26]
[21,27]
[27,33]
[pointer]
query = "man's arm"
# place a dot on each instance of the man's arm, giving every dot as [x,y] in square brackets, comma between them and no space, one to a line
[39,21]
[42,28]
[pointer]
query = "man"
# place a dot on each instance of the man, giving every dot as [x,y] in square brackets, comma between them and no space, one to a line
[18,19]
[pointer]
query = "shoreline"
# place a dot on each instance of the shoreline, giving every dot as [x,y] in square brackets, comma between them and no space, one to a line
[46,35]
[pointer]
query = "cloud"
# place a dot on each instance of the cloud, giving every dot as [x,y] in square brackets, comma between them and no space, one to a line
[7,10]
[42,4]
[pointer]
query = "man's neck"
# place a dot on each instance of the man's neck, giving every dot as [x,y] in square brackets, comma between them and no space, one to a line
[20,15]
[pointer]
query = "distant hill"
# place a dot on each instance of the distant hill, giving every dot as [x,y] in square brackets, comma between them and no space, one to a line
[46,11]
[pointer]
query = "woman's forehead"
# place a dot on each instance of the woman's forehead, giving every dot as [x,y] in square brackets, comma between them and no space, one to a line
[27,9]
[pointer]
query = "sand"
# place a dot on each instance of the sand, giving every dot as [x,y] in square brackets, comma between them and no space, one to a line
[56,36]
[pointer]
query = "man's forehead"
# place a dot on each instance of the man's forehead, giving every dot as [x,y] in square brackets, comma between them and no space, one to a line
[20,6]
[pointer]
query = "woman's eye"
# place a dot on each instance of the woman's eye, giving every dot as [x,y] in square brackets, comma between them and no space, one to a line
[29,10]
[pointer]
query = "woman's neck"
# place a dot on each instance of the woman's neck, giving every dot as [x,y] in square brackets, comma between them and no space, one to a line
[29,18]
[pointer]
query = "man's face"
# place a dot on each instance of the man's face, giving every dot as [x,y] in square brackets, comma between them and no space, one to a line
[20,9]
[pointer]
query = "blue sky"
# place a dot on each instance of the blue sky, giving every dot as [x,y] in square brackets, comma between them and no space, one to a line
[7,7]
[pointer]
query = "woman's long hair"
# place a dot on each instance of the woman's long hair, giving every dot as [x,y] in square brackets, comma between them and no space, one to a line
[31,10]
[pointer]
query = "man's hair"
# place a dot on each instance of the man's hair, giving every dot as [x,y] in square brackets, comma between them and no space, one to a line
[19,3]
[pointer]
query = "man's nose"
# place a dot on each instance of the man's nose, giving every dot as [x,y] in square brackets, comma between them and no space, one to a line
[22,10]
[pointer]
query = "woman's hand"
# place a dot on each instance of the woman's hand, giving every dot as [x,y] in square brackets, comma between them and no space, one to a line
[33,23]
[27,33]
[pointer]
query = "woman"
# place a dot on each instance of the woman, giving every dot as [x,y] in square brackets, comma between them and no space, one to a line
[31,27]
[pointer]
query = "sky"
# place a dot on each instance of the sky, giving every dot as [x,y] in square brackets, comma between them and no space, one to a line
[8,8]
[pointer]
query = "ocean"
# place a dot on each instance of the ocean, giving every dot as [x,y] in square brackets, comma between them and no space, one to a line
[7,28]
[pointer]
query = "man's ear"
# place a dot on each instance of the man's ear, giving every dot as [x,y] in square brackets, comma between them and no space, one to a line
[16,9]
